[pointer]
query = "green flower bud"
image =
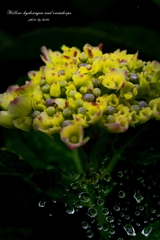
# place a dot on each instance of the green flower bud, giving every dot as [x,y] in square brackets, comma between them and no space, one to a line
[35,114]
[63,83]
[88,97]
[96,92]
[46,88]
[67,113]
[96,82]
[82,110]
[133,78]
[83,57]
[83,90]
[42,82]
[46,96]
[79,103]
[50,111]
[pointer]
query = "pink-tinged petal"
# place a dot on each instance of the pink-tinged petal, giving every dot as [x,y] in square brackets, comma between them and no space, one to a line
[23,123]
[21,106]
[72,135]
[6,119]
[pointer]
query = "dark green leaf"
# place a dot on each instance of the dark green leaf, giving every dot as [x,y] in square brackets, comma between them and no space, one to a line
[11,164]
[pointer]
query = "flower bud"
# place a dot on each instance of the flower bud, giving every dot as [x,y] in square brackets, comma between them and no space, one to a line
[55,89]
[88,97]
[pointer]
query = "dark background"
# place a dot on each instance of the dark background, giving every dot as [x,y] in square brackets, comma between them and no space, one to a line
[131,25]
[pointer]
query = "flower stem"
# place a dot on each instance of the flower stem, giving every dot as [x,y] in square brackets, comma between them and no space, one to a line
[77,161]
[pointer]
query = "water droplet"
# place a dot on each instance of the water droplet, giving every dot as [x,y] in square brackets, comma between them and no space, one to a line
[74,186]
[153,210]
[100,202]
[138,197]
[141,208]
[77,204]
[92,212]
[137,213]
[105,211]
[107,177]
[116,208]
[127,217]
[120,174]
[129,230]
[146,231]
[138,224]
[50,214]
[54,201]
[105,228]
[121,194]
[41,203]
[75,175]
[122,214]
[112,231]
[99,226]
[110,219]
[84,225]
[84,197]
[89,234]
[83,184]
[69,209]
[67,189]
[105,189]
[94,178]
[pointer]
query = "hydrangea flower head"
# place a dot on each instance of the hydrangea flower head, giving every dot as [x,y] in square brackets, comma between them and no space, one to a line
[76,90]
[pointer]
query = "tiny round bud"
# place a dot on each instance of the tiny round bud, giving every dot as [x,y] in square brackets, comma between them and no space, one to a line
[79,103]
[63,83]
[133,78]
[142,104]
[50,102]
[35,114]
[82,110]
[72,92]
[88,97]
[135,108]
[83,57]
[46,88]
[110,119]
[83,65]
[110,110]
[66,123]
[42,82]
[61,72]
[50,111]
[67,112]
[96,92]
[96,82]
[83,90]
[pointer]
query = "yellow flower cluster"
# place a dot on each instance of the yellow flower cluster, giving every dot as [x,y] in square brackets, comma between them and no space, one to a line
[77,89]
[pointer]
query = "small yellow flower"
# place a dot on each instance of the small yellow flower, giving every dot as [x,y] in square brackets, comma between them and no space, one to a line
[114,79]
[73,136]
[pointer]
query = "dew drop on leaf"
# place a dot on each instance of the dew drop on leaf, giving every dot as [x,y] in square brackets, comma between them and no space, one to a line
[84,197]
[99,226]
[89,234]
[74,186]
[100,202]
[120,174]
[75,175]
[94,178]
[84,225]
[105,211]
[137,213]
[110,219]
[116,208]
[83,184]
[129,230]
[69,208]
[146,231]
[107,177]
[77,204]
[41,203]
[92,212]
[121,194]
[138,197]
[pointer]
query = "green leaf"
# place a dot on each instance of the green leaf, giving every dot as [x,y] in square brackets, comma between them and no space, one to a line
[157,2]
[151,232]
[11,164]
